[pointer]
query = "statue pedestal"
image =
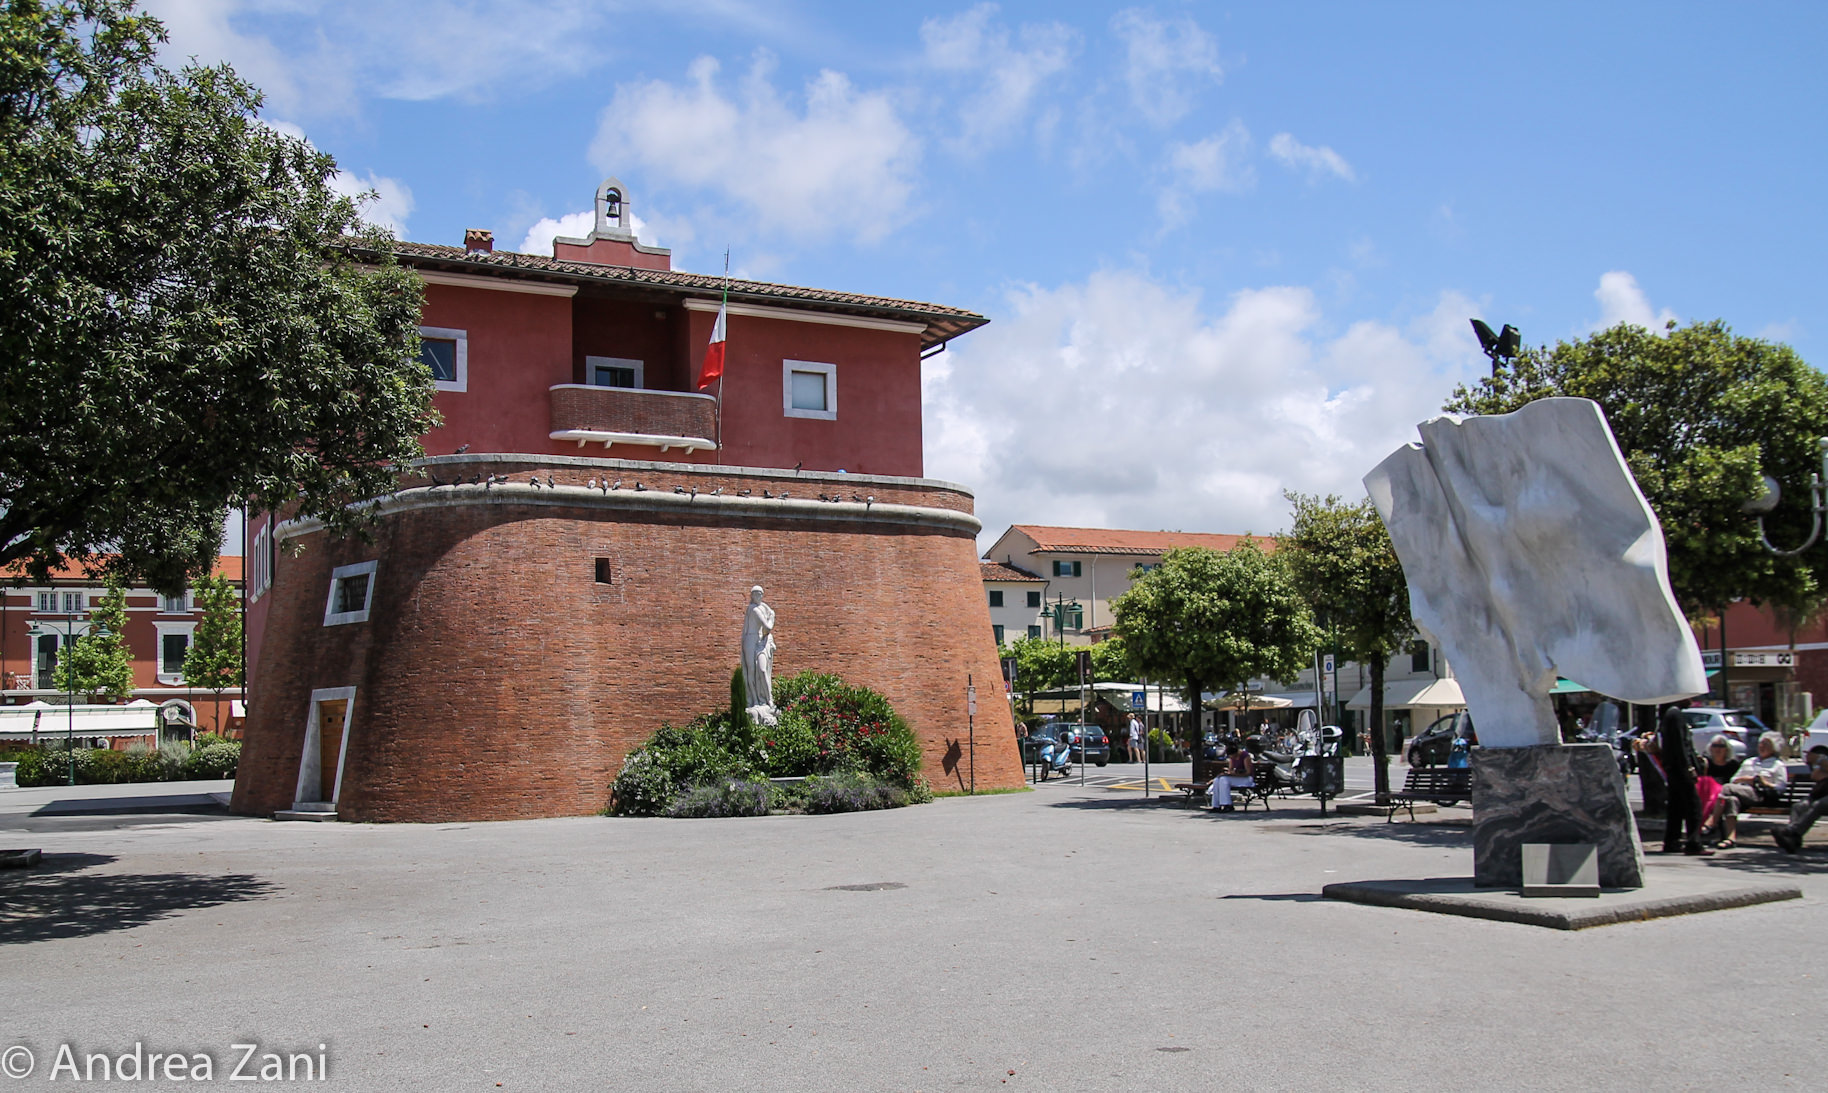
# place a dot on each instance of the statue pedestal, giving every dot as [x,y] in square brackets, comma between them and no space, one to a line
[1559,793]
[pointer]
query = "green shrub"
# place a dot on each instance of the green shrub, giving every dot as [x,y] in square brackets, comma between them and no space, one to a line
[851,791]
[789,750]
[706,752]
[851,728]
[212,757]
[727,798]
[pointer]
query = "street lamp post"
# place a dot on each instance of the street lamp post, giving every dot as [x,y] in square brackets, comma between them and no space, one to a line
[1759,507]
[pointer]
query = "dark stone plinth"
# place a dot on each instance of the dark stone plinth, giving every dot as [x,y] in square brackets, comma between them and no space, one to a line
[1560,793]
[1669,891]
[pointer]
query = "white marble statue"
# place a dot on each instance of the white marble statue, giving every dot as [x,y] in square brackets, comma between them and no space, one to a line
[1531,553]
[758,658]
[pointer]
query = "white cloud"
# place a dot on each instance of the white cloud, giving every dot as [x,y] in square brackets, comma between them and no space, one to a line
[1622,301]
[1167,62]
[838,160]
[1008,78]
[1219,163]
[319,59]
[382,201]
[577,225]
[1315,161]
[1124,402]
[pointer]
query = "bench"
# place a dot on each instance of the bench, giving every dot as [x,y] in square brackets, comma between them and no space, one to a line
[1796,792]
[1436,785]
[1242,795]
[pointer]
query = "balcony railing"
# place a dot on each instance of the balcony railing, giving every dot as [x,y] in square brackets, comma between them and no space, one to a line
[627,415]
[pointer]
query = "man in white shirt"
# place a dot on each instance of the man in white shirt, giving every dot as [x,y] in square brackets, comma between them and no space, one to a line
[1760,779]
[1136,739]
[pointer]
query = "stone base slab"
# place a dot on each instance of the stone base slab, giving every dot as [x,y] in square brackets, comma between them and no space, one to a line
[1556,793]
[1681,893]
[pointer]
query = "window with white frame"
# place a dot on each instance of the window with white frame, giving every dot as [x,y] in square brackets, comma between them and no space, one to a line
[809,390]
[446,352]
[614,372]
[1066,569]
[174,645]
[351,593]
[63,603]
[260,573]
[175,605]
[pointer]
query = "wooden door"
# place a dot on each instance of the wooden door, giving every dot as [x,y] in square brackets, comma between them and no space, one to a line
[330,744]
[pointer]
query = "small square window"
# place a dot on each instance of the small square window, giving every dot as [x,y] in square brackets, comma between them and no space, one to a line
[1034,599]
[47,602]
[1034,631]
[996,597]
[439,355]
[75,603]
[614,372]
[1066,569]
[998,631]
[446,352]
[810,390]
[351,594]
[175,605]
[603,571]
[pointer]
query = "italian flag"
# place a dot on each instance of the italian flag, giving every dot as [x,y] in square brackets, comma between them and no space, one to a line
[713,369]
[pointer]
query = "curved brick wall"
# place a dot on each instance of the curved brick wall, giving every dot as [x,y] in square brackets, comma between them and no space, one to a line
[496,679]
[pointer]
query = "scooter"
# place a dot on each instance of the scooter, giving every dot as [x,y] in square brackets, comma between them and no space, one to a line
[1056,758]
[1274,770]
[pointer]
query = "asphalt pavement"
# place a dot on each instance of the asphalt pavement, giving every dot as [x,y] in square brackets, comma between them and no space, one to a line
[1065,938]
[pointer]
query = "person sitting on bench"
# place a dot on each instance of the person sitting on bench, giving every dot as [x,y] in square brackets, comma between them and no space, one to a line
[1238,774]
[1790,836]
[1760,780]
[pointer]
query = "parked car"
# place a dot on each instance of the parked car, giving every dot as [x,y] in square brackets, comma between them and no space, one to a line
[1431,746]
[1817,731]
[1089,743]
[1741,727]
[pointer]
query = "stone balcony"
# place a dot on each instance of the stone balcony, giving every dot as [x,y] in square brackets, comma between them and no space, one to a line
[630,416]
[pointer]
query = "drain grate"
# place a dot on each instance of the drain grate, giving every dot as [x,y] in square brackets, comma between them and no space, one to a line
[879,886]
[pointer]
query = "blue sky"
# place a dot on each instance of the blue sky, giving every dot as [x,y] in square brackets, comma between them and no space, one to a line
[1225,250]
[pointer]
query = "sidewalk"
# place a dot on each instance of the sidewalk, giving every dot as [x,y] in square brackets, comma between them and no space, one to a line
[132,797]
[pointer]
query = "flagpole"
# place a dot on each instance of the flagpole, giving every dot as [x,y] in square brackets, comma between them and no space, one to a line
[723,309]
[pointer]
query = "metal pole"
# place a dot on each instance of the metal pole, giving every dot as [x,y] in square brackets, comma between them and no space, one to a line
[971,726]
[1146,740]
[69,675]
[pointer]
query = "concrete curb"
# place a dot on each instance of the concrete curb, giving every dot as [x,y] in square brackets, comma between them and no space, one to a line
[1457,896]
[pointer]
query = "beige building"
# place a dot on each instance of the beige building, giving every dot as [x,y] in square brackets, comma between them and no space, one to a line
[1015,601]
[1082,570]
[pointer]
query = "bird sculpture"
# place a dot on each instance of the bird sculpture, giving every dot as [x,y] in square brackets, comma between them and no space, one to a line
[591,484]
[639,488]
[743,493]
[462,448]
[797,466]
[678,489]
[768,495]
[550,482]
[534,481]
[616,485]
[718,492]
[822,497]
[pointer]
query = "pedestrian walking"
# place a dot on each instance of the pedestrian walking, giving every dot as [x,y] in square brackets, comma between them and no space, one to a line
[1136,739]
[1676,751]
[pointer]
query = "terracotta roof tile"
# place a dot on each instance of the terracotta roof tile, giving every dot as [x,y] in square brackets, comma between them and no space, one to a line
[1132,543]
[997,571]
[228,565]
[943,323]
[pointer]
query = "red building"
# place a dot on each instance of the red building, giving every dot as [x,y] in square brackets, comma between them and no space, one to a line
[37,621]
[569,566]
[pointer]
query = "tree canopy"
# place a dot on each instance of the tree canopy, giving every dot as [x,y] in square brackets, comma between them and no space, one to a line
[1700,413]
[214,661]
[99,664]
[1345,566]
[191,317]
[1205,617]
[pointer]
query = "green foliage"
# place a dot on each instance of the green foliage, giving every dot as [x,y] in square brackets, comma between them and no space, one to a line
[99,664]
[732,797]
[212,757]
[1700,413]
[1041,665]
[1111,662]
[826,727]
[739,698]
[1206,617]
[852,791]
[705,752]
[214,661]
[191,315]
[853,728]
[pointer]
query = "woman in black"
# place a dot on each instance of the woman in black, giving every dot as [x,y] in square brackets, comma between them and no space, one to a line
[1678,755]
[1721,763]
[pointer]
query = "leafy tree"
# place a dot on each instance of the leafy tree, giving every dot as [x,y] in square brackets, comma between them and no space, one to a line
[99,664]
[1205,617]
[214,661]
[1111,662]
[190,315]
[1041,665]
[1342,561]
[1700,413]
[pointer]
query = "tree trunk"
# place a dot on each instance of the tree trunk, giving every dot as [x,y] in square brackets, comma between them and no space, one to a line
[1380,757]
[1195,732]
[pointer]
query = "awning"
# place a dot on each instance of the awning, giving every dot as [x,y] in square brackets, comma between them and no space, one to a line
[19,722]
[1437,694]
[1155,698]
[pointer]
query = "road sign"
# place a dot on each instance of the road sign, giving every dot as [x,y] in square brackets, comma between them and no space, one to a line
[1085,665]
[1138,700]
[971,700]
[1326,664]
